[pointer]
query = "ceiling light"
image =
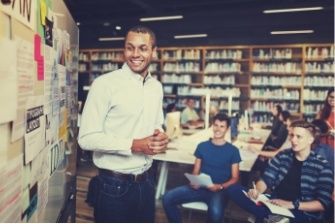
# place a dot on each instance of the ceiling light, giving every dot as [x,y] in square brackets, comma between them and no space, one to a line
[106,24]
[268,11]
[291,32]
[110,38]
[190,36]
[148,19]
[78,23]
[118,27]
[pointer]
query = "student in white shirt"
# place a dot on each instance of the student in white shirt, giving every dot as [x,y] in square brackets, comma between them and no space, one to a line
[189,116]
[122,123]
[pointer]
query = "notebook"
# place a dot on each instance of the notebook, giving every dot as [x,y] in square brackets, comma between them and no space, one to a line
[275,209]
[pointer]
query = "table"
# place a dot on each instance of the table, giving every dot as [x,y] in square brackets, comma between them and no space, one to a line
[181,151]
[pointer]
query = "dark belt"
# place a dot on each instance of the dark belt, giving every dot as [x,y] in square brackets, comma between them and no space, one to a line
[128,177]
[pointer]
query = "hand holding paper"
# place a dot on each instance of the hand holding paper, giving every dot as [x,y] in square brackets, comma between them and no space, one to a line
[202,180]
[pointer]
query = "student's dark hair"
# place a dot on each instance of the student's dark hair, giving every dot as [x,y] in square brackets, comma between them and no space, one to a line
[222,117]
[285,114]
[322,125]
[170,107]
[327,109]
[144,29]
[279,109]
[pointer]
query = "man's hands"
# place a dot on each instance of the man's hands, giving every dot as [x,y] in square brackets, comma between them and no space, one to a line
[215,187]
[151,145]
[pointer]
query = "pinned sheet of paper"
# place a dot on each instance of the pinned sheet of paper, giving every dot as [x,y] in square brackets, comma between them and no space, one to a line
[43,11]
[8,81]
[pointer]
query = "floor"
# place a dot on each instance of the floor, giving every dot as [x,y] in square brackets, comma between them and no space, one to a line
[84,213]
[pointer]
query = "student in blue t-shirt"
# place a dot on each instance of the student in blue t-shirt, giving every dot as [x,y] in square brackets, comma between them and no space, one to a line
[218,159]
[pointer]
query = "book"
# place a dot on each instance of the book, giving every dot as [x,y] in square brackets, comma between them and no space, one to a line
[202,179]
[275,209]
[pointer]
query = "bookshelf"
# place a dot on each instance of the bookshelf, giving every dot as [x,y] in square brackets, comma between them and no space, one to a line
[319,77]
[295,76]
[276,79]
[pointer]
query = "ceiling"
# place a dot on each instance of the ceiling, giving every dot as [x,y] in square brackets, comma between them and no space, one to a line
[227,22]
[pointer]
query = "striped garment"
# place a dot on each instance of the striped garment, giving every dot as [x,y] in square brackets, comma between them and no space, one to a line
[317,178]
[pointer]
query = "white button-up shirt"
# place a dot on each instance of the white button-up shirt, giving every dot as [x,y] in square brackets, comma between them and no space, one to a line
[120,107]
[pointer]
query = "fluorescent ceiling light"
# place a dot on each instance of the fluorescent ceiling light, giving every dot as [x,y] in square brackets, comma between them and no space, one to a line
[78,23]
[148,19]
[292,32]
[118,27]
[268,11]
[190,36]
[110,38]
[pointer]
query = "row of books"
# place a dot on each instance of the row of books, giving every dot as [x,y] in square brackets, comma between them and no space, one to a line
[320,52]
[288,67]
[182,67]
[275,81]
[191,54]
[278,94]
[224,54]
[317,67]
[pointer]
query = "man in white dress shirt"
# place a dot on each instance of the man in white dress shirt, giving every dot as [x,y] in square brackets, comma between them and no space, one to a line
[122,123]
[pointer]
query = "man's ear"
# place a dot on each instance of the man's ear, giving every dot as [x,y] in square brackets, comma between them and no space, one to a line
[154,53]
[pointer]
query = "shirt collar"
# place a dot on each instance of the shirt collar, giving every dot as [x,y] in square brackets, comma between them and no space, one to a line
[136,75]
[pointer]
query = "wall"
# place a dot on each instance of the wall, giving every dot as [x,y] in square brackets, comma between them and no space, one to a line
[38,118]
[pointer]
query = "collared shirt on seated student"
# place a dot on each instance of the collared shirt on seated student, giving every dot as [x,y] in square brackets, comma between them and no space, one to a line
[299,179]
[218,159]
[122,123]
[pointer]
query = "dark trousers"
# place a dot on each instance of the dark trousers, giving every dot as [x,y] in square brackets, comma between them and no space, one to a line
[235,193]
[119,200]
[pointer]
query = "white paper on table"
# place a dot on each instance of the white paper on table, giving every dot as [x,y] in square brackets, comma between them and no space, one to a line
[199,180]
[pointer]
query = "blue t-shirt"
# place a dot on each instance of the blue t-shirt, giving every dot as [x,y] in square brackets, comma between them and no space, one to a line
[216,160]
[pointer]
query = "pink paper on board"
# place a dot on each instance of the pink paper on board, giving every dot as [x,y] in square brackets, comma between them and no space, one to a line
[38,57]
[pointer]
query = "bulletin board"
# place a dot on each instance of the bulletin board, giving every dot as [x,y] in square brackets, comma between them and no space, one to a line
[38,116]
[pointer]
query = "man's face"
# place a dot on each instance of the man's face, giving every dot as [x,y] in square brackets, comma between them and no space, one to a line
[301,139]
[138,52]
[191,103]
[219,129]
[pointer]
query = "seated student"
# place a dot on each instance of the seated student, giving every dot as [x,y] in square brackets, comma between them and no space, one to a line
[189,116]
[274,143]
[277,139]
[327,114]
[299,179]
[218,159]
[275,111]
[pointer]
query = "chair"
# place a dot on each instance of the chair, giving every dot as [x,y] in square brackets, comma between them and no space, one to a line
[199,206]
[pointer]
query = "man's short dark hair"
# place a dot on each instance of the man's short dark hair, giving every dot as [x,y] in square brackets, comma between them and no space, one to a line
[222,117]
[144,29]
[315,131]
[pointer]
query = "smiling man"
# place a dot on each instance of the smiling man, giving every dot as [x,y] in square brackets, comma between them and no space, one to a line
[299,179]
[122,123]
[218,159]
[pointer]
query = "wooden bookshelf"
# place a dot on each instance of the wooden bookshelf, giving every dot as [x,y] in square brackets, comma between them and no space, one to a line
[295,76]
